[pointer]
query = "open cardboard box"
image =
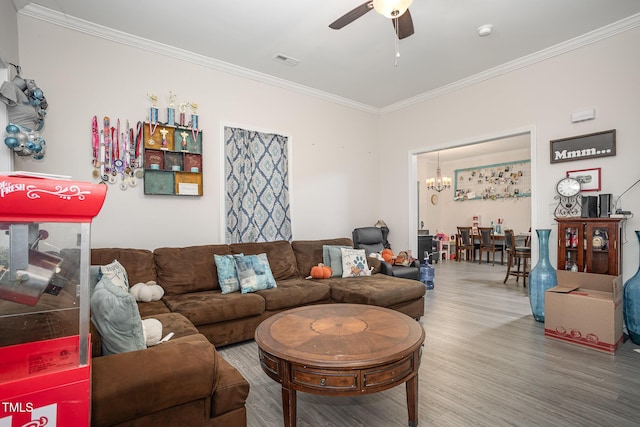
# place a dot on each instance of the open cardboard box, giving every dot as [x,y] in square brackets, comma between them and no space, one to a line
[585,309]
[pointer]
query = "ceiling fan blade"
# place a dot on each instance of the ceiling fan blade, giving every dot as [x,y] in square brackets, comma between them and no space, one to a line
[405,25]
[351,16]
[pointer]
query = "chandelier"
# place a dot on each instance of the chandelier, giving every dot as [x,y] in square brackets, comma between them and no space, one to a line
[438,183]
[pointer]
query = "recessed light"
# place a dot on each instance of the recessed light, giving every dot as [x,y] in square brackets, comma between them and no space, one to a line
[485,30]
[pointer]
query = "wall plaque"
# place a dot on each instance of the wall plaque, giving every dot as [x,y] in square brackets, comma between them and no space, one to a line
[599,144]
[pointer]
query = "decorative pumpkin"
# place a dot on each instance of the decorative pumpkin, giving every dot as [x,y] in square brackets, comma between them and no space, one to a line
[320,271]
[387,255]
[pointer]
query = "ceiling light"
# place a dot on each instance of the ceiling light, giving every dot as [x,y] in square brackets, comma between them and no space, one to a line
[391,8]
[485,30]
[438,183]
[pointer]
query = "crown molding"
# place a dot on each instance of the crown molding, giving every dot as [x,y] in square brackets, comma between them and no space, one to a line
[80,25]
[607,31]
[44,14]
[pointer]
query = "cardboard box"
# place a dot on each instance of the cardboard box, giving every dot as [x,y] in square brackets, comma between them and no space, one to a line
[585,309]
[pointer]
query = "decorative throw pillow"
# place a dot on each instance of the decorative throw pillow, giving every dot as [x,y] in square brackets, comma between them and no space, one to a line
[227,273]
[354,263]
[114,313]
[254,273]
[116,272]
[332,257]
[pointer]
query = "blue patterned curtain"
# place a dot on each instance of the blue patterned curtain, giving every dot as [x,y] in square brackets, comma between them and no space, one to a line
[256,187]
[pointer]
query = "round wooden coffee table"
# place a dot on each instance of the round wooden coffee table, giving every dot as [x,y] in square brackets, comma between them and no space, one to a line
[341,350]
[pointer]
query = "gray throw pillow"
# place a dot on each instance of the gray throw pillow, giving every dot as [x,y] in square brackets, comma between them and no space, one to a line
[332,257]
[114,313]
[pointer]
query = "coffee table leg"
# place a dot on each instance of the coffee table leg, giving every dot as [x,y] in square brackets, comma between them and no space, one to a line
[412,400]
[289,407]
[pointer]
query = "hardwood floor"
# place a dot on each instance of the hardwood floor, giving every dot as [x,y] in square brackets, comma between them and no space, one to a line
[486,362]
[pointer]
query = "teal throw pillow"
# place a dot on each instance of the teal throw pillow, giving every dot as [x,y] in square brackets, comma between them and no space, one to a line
[254,273]
[332,257]
[227,273]
[114,313]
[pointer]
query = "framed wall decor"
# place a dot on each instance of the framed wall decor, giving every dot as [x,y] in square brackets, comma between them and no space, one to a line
[492,182]
[589,178]
[599,144]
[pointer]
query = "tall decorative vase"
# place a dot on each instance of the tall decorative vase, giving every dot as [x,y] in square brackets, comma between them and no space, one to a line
[631,306]
[542,276]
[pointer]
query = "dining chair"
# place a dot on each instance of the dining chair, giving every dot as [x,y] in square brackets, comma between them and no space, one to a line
[488,244]
[465,244]
[516,254]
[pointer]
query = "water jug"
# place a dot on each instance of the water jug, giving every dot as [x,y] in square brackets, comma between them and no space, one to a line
[427,274]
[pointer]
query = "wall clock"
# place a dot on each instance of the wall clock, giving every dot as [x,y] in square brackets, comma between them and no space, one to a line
[434,199]
[569,197]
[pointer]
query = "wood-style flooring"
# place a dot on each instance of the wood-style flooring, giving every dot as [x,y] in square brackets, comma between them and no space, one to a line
[486,362]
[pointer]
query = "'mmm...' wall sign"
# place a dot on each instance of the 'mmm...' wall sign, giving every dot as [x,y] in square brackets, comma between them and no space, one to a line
[600,144]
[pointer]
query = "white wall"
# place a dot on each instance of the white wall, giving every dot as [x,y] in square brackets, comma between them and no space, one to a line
[8,54]
[603,75]
[335,155]
[448,214]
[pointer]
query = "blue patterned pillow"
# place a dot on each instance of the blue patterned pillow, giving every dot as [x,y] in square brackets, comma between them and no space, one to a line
[332,257]
[254,273]
[354,263]
[227,274]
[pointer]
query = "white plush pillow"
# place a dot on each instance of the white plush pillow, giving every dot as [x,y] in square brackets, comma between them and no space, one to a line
[114,312]
[354,263]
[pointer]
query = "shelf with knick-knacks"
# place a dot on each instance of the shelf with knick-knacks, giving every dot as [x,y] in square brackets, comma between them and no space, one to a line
[172,160]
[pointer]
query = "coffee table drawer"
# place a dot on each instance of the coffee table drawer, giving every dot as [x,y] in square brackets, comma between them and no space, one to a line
[324,380]
[396,372]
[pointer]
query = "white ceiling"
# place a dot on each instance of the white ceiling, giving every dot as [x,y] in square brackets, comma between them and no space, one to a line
[355,63]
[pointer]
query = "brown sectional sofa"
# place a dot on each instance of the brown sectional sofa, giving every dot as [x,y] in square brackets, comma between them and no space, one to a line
[185,381]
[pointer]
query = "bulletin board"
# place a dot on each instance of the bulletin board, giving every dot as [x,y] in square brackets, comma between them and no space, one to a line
[493,182]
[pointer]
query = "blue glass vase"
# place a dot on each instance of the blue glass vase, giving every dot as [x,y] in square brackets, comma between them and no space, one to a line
[631,304]
[542,276]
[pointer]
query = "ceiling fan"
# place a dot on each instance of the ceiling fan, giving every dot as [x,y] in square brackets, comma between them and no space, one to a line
[396,10]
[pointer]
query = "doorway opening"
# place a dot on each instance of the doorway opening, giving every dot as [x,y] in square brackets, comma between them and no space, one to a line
[441,214]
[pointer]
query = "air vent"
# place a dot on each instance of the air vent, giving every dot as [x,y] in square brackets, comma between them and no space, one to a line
[292,62]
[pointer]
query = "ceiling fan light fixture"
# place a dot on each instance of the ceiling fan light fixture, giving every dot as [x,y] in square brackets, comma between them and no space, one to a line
[391,8]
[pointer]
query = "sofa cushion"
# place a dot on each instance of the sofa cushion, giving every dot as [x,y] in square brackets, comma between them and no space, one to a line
[188,269]
[254,273]
[280,255]
[309,252]
[295,292]
[129,386]
[206,307]
[137,262]
[176,323]
[379,289]
[114,312]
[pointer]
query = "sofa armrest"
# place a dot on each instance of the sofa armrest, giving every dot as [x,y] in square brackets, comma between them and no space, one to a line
[386,268]
[129,385]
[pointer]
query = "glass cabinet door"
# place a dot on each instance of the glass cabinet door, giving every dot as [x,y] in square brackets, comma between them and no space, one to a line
[601,248]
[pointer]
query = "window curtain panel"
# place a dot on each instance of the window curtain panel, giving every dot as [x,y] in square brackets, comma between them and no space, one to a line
[256,187]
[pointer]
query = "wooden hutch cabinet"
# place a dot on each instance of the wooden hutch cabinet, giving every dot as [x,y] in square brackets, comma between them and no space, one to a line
[592,244]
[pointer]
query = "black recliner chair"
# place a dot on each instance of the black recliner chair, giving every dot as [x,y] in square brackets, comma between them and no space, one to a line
[371,240]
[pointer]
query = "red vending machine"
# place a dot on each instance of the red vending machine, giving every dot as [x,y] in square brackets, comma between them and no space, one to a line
[45,349]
